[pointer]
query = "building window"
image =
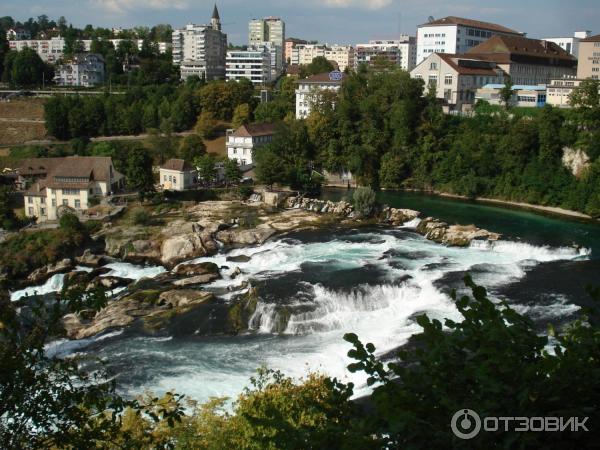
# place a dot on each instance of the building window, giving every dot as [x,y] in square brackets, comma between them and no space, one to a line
[77,203]
[29,200]
[70,191]
[433,66]
[43,211]
[30,211]
[65,202]
[53,202]
[174,180]
[448,79]
[165,178]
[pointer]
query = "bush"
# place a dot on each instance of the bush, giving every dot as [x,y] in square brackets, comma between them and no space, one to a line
[141,217]
[244,192]
[70,222]
[365,201]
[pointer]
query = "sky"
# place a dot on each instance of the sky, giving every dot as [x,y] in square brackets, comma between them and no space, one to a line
[331,21]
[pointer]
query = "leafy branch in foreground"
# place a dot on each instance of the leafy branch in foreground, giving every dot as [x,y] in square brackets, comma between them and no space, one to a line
[492,362]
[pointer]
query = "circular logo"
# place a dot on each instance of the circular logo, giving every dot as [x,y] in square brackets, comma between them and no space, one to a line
[466,424]
[336,75]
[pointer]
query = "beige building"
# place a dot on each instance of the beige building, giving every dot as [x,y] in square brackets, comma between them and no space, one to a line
[177,175]
[242,142]
[456,78]
[526,61]
[523,96]
[589,58]
[66,184]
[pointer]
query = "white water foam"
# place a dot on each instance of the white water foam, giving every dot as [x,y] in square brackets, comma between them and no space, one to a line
[53,284]
[133,272]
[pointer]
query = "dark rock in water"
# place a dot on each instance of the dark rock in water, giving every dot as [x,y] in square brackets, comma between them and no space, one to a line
[241,311]
[237,271]
[196,280]
[239,258]
[189,270]
[92,260]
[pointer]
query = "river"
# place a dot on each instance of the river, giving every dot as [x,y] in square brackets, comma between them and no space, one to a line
[316,286]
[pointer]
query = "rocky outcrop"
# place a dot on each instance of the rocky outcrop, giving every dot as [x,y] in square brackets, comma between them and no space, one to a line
[40,275]
[189,270]
[92,260]
[320,206]
[151,309]
[454,235]
[397,217]
[577,161]
[240,236]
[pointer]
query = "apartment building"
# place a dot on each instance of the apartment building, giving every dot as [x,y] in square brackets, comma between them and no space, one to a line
[400,52]
[201,49]
[269,32]
[526,61]
[177,175]
[66,184]
[454,35]
[289,45]
[242,142]
[342,55]
[86,69]
[253,64]
[49,50]
[570,44]
[456,78]
[17,34]
[309,89]
[589,58]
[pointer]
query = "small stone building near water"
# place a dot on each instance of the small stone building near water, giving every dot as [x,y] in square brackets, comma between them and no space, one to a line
[178,175]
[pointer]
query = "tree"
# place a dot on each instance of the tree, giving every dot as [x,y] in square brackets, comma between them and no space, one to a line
[493,362]
[506,93]
[393,170]
[206,125]
[27,68]
[232,171]
[364,200]
[191,147]
[139,171]
[319,64]
[207,171]
[269,167]
[8,219]
[241,115]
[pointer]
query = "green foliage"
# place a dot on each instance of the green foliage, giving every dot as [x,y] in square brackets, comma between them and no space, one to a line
[139,171]
[365,201]
[493,362]
[26,68]
[69,223]
[206,125]
[232,171]
[320,64]
[207,172]
[269,167]
[221,98]
[140,216]
[8,219]
[241,115]
[191,147]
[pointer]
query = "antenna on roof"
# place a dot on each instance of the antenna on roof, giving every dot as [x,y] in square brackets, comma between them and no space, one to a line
[430,19]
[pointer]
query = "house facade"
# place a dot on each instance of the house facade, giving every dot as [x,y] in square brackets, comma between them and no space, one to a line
[86,69]
[243,141]
[309,89]
[178,175]
[66,184]
[523,96]
[400,52]
[454,35]
[589,58]
[456,78]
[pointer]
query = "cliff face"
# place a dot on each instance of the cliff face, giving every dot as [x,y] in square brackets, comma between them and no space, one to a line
[577,161]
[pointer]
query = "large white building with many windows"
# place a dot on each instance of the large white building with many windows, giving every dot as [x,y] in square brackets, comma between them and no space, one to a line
[400,52]
[570,43]
[456,35]
[310,89]
[201,49]
[253,64]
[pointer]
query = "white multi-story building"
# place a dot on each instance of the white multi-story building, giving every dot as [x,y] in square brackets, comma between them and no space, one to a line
[85,69]
[17,34]
[66,184]
[570,44]
[269,32]
[342,55]
[49,50]
[201,49]
[242,142]
[253,64]
[454,35]
[309,89]
[401,52]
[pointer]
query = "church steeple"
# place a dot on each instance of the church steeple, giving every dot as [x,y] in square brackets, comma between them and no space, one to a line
[215,20]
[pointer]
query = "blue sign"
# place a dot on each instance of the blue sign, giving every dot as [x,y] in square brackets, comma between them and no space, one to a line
[336,75]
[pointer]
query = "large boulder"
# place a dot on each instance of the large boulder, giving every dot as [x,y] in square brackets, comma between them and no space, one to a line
[189,270]
[92,260]
[186,246]
[397,217]
[453,235]
[239,236]
[196,280]
[40,275]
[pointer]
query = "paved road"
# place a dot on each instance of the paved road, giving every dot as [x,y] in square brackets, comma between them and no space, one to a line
[15,120]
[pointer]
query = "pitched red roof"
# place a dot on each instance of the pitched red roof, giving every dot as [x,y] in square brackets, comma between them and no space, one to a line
[453,20]
[255,129]
[321,78]
[506,49]
[464,65]
[178,165]
[595,38]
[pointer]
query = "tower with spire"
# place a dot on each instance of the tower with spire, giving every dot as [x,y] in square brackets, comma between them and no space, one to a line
[215,20]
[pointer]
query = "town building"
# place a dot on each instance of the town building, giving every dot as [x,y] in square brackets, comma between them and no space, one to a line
[309,89]
[400,52]
[242,142]
[454,35]
[66,184]
[49,50]
[201,49]
[177,175]
[342,56]
[570,44]
[290,43]
[523,96]
[559,91]
[589,58]
[526,61]
[269,32]
[85,69]
[456,78]
[253,64]
[17,34]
